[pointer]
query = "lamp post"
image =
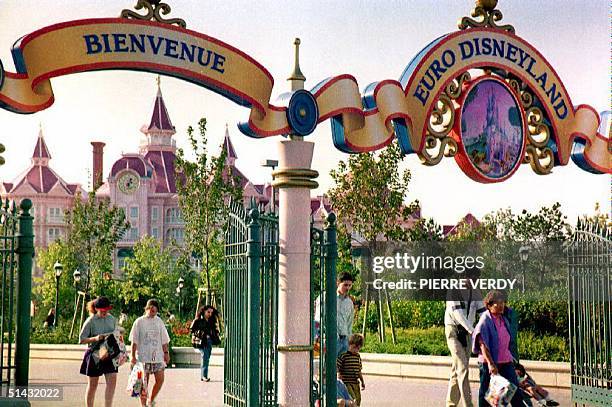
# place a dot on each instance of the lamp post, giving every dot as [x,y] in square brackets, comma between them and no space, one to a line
[524,255]
[271,164]
[76,278]
[179,290]
[58,273]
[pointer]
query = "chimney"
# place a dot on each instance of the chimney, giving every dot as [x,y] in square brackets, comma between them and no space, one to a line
[98,156]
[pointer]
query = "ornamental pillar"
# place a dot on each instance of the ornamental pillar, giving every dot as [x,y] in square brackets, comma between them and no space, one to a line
[294,179]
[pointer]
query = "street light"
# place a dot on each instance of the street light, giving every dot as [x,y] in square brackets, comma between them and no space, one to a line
[58,273]
[524,255]
[76,277]
[179,289]
[271,164]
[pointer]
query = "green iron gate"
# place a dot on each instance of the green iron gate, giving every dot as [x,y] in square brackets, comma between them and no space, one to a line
[251,284]
[324,251]
[17,248]
[251,303]
[590,314]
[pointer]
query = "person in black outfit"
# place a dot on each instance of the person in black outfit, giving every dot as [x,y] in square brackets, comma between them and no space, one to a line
[50,320]
[204,335]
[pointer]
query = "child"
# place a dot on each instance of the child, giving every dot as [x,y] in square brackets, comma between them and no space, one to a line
[348,365]
[529,386]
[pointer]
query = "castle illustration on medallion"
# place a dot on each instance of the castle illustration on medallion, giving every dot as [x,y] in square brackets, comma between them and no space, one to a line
[492,129]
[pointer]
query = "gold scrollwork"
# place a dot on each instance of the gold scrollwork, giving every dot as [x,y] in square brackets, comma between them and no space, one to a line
[154,10]
[521,89]
[541,160]
[454,89]
[485,15]
[442,117]
[438,144]
[538,132]
[443,147]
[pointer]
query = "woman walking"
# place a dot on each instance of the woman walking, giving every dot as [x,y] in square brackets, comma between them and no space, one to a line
[494,342]
[203,333]
[96,328]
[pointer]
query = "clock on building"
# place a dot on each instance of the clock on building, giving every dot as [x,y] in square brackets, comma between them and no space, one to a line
[128,182]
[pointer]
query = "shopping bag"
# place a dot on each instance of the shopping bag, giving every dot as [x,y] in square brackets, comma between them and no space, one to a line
[500,391]
[121,357]
[137,381]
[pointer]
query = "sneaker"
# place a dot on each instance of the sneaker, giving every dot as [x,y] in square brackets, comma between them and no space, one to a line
[208,379]
[551,403]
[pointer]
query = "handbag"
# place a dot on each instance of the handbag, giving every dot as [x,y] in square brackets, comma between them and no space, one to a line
[214,337]
[196,342]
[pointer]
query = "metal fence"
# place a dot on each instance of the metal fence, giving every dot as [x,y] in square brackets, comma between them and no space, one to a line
[17,248]
[590,314]
[251,309]
[251,293]
[324,252]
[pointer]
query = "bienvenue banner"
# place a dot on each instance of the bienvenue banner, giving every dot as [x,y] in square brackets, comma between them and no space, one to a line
[115,43]
[361,122]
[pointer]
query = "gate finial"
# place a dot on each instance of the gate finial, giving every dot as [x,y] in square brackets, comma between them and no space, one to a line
[297,78]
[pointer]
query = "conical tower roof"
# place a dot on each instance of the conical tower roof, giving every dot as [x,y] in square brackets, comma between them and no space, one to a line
[41,153]
[160,120]
[228,147]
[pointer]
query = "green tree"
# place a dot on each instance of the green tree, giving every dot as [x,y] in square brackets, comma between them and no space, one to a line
[153,272]
[205,187]
[44,289]
[94,228]
[369,193]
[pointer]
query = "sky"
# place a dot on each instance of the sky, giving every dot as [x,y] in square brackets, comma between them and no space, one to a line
[371,40]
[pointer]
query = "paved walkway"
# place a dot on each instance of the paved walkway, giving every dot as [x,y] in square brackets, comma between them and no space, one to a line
[182,388]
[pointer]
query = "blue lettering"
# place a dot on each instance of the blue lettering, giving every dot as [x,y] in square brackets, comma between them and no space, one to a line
[218,63]
[92,42]
[486,46]
[155,45]
[421,94]
[107,47]
[134,43]
[186,50]
[476,41]
[553,94]
[448,62]
[200,53]
[120,43]
[498,48]
[437,69]
[511,53]
[531,64]
[542,80]
[523,57]
[171,48]
[467,50]
[561,110]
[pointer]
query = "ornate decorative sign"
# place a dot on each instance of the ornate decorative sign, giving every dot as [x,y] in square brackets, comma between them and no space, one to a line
[434,109]
[490,131]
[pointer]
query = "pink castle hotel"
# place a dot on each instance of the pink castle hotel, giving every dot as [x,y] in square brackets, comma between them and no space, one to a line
[142,183]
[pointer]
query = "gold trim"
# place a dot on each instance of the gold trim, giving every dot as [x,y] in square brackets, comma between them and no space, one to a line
[542,160]
[295,172]
[295,178]
[487,16]
[154,9]
[294,348]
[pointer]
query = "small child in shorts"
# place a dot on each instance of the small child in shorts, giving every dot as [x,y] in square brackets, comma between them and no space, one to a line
[349,366]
